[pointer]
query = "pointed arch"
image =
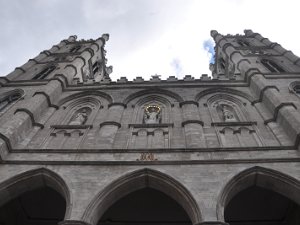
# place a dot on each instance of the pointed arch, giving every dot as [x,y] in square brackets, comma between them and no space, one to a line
[79,110]
[227,103]
[135,181]
[86,94]
[163,103]
[262,177]
[34,179]
[223,90]
[153,91]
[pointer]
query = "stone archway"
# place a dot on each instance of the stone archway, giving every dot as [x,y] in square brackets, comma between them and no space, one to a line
[139,181]
[37,196]
[259,196]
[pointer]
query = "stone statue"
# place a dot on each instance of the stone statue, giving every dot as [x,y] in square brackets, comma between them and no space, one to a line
[227,114]
[152,114]
[80,118]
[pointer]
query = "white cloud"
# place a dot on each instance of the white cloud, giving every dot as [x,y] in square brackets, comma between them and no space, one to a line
[145,36]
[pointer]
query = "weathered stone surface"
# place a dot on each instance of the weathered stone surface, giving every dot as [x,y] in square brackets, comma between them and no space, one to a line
[189,150]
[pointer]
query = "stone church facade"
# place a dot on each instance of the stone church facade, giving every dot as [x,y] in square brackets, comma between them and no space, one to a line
[79,149]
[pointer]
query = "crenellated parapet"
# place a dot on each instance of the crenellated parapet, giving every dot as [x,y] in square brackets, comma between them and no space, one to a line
[154,79]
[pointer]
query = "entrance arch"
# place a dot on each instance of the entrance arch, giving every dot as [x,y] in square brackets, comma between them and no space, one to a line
[259,188]
[138,180]
[36,196]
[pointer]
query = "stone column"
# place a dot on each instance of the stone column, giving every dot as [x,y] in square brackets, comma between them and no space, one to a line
[192,124]
[276,104]
[109,128]
[28,113]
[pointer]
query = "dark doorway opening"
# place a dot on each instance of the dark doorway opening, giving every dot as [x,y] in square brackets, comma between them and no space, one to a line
[259,206]
[43,206]
[145,207]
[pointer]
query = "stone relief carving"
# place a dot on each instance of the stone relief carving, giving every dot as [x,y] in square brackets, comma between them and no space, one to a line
[79,118]
[152,114]
[228,115]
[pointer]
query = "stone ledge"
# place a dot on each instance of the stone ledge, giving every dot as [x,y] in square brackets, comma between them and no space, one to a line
[155,162]
[221,124]
[161,125]
[71,126]
[192,121]
[110,123]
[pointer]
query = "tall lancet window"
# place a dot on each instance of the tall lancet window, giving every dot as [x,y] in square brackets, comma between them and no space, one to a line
[95,67]
[272,66]
[44,73]
[222,64]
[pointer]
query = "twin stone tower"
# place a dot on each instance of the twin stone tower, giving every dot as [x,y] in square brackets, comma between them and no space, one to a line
[79,149]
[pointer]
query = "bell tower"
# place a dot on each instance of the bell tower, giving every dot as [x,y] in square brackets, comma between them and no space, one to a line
[268,57]
[75,61]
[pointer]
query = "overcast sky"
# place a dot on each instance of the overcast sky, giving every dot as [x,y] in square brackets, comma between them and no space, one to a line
[147,37]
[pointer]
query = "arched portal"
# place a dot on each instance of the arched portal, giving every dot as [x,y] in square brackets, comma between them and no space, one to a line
[144,184]
[260,196]
[146,206]
[36,197]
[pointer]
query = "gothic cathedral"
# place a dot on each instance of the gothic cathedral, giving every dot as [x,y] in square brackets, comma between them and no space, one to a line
[77,148]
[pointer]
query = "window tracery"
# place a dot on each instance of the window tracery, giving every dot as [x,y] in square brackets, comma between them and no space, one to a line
[72,122]
[151,122]
[231,121]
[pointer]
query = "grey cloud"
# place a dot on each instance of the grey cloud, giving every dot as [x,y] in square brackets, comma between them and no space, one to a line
[28,27]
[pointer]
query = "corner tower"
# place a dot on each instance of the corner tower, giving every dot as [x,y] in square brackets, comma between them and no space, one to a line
[77,61]
[268,57]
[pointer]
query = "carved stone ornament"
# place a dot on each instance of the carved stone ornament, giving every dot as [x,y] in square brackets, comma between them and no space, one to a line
[80,118]
[152,114]
[227,114]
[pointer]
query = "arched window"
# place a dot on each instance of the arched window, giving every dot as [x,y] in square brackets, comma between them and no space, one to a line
[272,66]
[95,67]
[296,89]
[222,64]
[44,73]
[8,100]
[75,49]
